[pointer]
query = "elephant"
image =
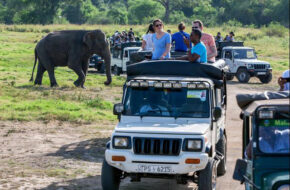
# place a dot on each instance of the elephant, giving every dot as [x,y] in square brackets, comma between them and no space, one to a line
[71,48]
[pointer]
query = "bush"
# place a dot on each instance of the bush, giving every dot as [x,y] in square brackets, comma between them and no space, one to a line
[274,29]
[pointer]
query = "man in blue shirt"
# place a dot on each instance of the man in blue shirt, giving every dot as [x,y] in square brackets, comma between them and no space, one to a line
[198,52]
[178,38]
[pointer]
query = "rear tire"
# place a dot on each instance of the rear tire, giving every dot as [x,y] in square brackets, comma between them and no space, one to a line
[208,176]
[230,77]
[265,78]
[221,146]
[116,70]
[111,177]
[243,75]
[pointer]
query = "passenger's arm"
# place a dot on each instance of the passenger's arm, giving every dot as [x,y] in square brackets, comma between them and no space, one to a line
[212,47]
[192,57]
[214,52]
[168,46]
[143,44]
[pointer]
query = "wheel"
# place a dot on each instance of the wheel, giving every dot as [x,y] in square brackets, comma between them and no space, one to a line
[102,68]
[243,75]
[221,146]
[111,177]
[116,70]
[208,176]
[230,77]
[265,78]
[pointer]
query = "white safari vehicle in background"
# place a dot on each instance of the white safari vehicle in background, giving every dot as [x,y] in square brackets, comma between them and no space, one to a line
[121,56]
[171,125]
[243,62]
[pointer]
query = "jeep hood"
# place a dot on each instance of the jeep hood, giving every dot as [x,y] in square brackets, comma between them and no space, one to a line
[252,61]
[187,128]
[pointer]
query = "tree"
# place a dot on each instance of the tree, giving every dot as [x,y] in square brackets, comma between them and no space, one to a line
[141,12]
[167,6]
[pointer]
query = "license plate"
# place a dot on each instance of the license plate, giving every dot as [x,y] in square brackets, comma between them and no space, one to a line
[154,169]
[261,73]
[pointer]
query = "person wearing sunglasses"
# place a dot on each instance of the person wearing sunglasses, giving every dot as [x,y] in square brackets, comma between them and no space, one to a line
[161,41]
[208,41]
[198,52]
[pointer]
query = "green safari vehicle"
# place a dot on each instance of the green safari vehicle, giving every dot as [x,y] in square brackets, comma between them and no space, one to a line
[266,153]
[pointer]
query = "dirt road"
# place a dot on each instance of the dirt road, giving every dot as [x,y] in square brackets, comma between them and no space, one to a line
[65,156]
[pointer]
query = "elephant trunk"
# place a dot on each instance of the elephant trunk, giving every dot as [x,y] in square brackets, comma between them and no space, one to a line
[107,59]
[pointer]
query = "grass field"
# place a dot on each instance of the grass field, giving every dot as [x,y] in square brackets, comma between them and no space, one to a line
[20,100]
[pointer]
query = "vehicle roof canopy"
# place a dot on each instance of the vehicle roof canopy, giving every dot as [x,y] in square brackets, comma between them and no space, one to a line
[250,102]
[177,68]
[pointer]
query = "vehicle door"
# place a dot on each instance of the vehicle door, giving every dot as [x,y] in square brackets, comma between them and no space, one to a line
[125,59]
[228,55]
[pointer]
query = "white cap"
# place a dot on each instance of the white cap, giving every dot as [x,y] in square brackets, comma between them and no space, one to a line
[286,74]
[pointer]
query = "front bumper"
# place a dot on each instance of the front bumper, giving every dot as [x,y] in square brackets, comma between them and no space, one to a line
[177,163]
[256,72]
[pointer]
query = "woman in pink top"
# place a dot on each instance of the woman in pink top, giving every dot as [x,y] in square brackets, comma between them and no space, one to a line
[208,41]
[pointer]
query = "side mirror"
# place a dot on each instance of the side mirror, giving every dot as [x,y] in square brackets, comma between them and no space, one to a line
[240,170]
[118,109]
[217,113]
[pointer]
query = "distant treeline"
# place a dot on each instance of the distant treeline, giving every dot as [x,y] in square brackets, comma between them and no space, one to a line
[211,12]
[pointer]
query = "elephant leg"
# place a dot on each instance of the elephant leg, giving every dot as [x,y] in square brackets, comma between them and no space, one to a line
[52,79]
[49,66]
[81,76]
[85,67]
[39,75]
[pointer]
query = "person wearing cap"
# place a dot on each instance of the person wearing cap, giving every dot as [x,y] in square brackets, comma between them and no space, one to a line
[284,81]
[178,38]
[208,41]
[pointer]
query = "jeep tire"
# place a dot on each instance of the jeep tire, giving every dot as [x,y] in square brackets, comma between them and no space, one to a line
[243,75]
[230,77]
[221,146]
[111,177]
[265,78]
[208,176]
[116,70]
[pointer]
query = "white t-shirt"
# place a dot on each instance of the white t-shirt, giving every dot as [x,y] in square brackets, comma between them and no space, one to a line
[286,74]
[148,39]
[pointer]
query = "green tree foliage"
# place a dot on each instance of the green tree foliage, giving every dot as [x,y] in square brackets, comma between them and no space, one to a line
[211,12]
[144,11]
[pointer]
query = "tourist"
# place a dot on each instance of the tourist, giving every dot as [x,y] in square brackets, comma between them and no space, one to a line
[208,41]
[284,81]
[178,38]
[161,41]
[198,52]
[147,43]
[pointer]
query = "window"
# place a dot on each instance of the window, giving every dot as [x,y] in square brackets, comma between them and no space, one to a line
[167,102]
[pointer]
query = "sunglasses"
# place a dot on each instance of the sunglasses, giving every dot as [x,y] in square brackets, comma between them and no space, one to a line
[195,27]
[157,25]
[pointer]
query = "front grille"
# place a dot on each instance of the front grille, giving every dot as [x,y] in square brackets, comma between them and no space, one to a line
[154,146]
[259,66]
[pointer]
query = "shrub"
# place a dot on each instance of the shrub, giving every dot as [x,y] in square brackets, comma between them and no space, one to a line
[274,29]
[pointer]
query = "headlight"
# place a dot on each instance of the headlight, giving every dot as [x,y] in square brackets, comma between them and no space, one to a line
[284,187]
[250,66]
[121,142]
[268,66]
[193,145]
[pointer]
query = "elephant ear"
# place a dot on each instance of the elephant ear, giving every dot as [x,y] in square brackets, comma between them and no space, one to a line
[88,39]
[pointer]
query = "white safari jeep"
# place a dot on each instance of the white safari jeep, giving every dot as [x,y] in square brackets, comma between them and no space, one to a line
[171,125]
[243,64]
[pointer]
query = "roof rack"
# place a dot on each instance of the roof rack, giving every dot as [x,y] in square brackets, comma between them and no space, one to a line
[178,68]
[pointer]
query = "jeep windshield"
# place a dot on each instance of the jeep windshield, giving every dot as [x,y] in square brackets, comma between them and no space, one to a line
[274,136]
[244,54]
[181,102]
